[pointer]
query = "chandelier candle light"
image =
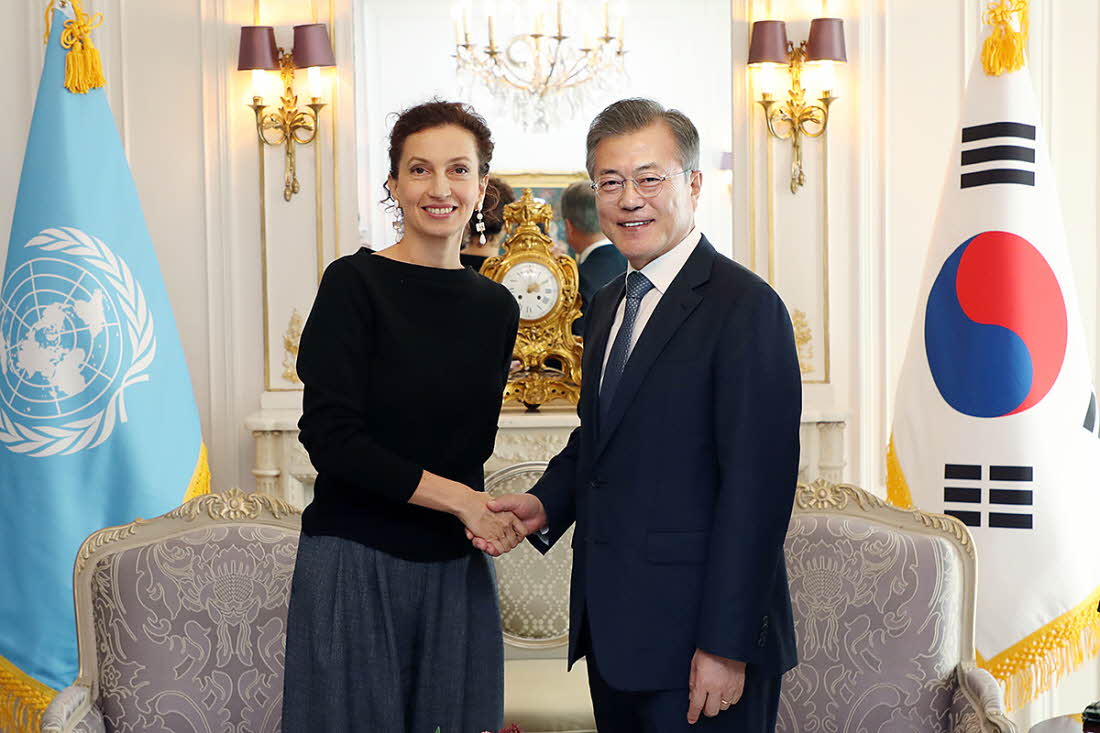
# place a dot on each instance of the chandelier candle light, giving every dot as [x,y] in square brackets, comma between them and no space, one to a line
[542,75]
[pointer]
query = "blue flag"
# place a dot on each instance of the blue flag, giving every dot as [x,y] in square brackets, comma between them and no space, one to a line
[98,423]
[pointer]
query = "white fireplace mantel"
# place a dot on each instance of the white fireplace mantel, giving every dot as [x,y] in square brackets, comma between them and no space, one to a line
[282,467]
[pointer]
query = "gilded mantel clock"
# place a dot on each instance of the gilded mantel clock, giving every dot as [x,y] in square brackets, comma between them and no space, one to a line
[546,287]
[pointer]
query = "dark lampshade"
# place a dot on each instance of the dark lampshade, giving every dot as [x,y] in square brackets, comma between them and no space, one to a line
[826,42]
[312,46]
[768,44]
[257,48]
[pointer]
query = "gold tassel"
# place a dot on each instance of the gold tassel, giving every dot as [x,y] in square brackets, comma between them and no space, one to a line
[83,67]
[49,23]
[1005,48]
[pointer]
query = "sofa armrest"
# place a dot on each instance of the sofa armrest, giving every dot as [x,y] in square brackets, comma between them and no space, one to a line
[73,710]
[978,706]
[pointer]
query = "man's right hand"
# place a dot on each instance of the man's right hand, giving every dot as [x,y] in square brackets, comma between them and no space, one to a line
[526,507]
[493,531]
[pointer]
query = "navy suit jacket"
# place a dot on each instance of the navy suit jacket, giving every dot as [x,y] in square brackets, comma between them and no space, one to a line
[682,499]
[601,266]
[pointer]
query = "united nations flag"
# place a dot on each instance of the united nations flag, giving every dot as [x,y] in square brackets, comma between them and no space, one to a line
[98,424]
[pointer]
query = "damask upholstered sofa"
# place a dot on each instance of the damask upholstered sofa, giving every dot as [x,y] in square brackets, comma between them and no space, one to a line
[539,694]
[181,620]
[884,613]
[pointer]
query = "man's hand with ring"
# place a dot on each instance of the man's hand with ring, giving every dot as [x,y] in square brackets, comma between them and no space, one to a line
[715,685]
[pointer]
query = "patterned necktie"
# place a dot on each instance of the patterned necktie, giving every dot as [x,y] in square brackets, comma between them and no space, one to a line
[637,285]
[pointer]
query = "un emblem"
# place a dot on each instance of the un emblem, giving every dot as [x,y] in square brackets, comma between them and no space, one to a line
[75,332]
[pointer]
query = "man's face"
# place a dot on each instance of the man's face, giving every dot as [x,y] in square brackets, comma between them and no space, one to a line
[645,227]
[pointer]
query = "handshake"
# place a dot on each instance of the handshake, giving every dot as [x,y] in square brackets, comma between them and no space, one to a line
[496,526]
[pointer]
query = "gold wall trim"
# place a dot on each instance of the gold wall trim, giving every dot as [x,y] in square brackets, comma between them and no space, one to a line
[539,179]
[335,138]
[263,261]
[825,251]
[826,377]
[750,103]
[770,197]
[318,208]
[318,199]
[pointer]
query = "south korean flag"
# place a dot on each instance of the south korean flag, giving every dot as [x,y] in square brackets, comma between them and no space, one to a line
[995,421]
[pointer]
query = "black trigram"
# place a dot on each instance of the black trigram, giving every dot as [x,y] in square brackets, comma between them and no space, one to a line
[966,493]
[1013,163]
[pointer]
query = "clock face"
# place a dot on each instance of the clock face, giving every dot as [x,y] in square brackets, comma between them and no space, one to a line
[534,287]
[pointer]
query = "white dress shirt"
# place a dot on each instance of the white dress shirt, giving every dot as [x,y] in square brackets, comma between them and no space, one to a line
[592,248]
[661,272]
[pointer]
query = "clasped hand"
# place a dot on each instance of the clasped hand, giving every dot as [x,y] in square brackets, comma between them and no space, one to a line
[498,531]
[511,517]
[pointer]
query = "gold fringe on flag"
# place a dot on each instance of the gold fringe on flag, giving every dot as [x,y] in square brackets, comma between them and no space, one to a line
[23,700]
[83,67]
[1038,662]
[200,479]
[1006,47]
[897,488]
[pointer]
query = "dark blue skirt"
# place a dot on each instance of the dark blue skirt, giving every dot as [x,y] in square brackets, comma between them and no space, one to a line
[378,644]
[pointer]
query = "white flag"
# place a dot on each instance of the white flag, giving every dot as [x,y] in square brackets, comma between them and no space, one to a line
[996,417]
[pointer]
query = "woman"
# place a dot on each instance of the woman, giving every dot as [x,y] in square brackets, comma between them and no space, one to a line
[498,194]
[393,622]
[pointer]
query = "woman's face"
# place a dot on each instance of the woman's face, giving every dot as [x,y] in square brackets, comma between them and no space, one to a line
[437,186]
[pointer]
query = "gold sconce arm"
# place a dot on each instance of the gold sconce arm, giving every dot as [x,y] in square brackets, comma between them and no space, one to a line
[793,118]
[287,125]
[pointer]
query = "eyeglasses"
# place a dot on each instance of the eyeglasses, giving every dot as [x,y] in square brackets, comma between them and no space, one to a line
[648,185]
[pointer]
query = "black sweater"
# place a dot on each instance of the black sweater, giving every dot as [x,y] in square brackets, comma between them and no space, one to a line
[404,368]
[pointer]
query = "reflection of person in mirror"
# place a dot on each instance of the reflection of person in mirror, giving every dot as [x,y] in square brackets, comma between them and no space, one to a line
[597,259]
[393,622]
[681,476]
[498,194]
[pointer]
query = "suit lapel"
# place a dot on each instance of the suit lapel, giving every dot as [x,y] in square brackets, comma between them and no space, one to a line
[672,310]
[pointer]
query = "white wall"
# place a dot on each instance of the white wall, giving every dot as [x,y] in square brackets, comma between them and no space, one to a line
[191,143]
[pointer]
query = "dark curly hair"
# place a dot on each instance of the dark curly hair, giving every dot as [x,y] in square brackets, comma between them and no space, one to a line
[436,113]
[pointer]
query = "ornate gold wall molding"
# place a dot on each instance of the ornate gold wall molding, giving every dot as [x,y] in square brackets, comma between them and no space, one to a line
[291,339]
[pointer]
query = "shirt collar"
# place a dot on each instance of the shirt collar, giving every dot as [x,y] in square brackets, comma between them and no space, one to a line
[663,270]
[591,248]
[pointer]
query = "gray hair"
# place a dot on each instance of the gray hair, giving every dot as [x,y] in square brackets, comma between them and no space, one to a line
[578,206]
[629,115]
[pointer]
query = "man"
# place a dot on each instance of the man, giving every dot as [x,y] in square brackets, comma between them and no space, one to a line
[598,262]
[682,473]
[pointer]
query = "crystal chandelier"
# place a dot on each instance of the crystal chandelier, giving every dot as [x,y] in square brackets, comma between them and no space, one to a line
[540,75]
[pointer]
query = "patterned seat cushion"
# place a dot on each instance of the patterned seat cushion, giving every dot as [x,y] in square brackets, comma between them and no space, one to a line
[191,631]
[877,614]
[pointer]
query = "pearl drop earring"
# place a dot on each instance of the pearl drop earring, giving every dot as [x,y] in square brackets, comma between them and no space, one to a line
[480,226]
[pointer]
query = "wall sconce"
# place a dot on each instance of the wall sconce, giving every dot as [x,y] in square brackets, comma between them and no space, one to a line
[288,125]
[769,49]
